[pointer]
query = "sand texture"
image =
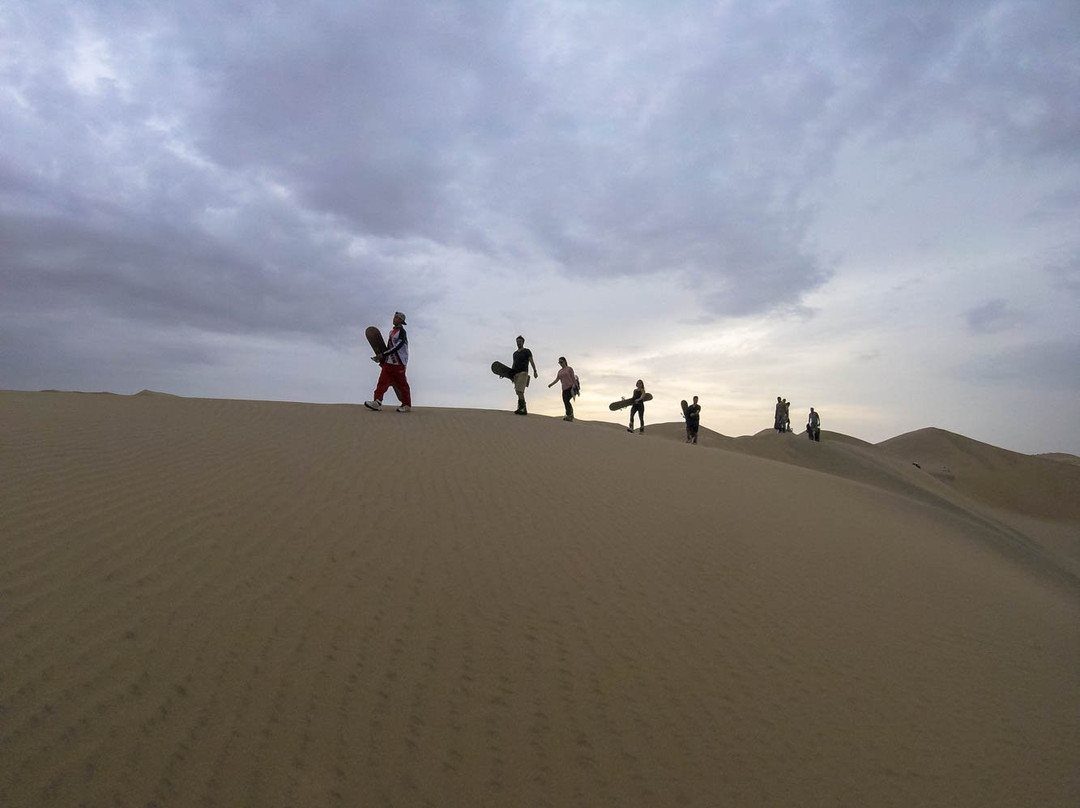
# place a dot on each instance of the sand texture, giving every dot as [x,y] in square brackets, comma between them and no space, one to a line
[239,603]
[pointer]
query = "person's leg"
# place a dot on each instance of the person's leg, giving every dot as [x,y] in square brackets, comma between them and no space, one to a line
[401,385]
[384,382]
[567,396]
[519,388]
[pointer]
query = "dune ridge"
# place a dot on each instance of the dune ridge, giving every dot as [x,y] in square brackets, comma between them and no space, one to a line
[212,602]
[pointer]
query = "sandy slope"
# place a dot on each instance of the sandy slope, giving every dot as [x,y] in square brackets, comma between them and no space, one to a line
[1026,506]
[1035,486]
[250,603]
[1061,457]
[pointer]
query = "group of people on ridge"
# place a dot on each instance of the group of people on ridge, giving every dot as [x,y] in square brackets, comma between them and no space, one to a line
[394,360]
[782,420]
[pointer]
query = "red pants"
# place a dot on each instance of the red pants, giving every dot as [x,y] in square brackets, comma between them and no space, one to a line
[393,376]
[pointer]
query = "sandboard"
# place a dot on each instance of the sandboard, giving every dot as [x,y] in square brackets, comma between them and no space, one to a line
[501,370]
[685,408]
[626,402]
[377,343]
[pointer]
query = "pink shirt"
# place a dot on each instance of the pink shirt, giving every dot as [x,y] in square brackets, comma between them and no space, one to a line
[566,377]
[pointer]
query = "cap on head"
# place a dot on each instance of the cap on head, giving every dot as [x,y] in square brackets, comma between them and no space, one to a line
[401,315]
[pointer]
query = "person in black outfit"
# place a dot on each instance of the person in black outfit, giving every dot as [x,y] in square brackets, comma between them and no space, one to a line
[693,419]
[523,358]
[638,406]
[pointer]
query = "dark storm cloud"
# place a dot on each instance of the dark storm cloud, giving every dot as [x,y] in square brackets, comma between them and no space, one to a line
[144,271]
[152,254]
[992,317]
[450,124]
[683,153]
[1000,69]
[1066,273]
[365,110]
[1046,365]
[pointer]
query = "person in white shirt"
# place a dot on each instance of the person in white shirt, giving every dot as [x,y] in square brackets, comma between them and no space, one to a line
[392,363]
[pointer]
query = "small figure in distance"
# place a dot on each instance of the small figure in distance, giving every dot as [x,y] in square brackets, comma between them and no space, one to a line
[813,425]
[523,358]
[693,419]
[778,418]
[569,383]
[392,368]
[787,416]
[638,406]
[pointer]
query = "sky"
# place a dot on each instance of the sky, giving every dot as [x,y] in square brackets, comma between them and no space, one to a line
[871,207]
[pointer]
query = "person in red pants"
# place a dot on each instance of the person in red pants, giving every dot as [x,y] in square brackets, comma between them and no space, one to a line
[392,363]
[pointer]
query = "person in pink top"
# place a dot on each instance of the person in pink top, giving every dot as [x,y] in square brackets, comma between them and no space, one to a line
[568,379]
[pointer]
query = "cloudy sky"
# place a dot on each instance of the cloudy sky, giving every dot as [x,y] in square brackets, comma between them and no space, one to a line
[866,206]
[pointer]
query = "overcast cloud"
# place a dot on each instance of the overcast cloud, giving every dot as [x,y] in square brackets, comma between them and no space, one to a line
[867,206]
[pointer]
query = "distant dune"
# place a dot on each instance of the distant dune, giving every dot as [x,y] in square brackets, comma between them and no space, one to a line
[207,602]
[1061,457]
[1028,484]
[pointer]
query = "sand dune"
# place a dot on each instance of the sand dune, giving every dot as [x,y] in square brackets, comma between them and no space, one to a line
[273,604]
[1032,485]
[1061,457]
[1024,505]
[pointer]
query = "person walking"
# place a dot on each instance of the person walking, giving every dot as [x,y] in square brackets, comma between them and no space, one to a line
[392,363]
[693,419]
[638,406]
[523,358]
[813,425]
[568,379]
